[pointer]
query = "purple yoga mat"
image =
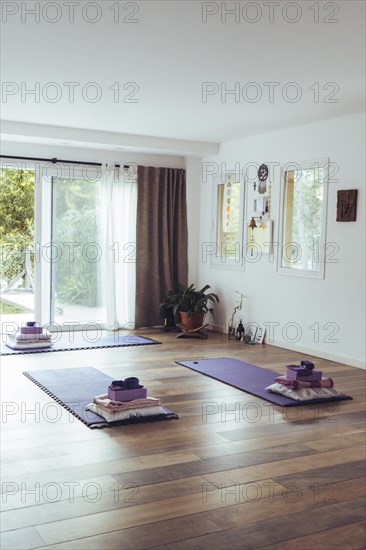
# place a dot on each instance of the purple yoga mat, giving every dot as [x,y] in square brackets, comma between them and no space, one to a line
[249,378]
[75,388]
[72,341]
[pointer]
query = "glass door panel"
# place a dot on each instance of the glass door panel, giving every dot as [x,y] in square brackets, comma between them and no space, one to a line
[17,279]
[75,253]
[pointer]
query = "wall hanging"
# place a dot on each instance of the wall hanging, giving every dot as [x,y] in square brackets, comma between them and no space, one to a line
[346,205]
[259,236]
[262,176]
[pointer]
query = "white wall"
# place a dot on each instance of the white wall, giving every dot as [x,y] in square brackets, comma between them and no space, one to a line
[339,299]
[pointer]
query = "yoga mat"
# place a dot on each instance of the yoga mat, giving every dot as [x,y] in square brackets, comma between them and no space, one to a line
[69,342]
[75,388]
[249,378]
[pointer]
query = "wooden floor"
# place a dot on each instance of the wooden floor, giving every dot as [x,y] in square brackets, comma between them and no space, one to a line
[233,472]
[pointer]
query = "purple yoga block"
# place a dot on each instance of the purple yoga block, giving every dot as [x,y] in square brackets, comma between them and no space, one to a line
[31,330]
[296,375]
[127,395]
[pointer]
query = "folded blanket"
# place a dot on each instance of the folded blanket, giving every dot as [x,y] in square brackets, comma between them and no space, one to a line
[110,405]
[299,384]
[110,416]
[35,337]
[28,344]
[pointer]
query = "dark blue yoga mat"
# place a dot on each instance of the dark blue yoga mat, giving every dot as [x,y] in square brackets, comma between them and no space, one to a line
[249,378]
[72,341]
[75,388]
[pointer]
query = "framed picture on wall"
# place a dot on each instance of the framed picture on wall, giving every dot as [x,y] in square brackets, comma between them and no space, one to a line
[260,334]
[346,205]
[261,206]
[258,205]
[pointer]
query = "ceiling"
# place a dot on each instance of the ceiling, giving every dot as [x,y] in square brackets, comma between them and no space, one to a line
[150,68]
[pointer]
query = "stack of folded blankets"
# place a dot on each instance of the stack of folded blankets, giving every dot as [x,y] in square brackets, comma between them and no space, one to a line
[304,383]
[126,399]
[30,336]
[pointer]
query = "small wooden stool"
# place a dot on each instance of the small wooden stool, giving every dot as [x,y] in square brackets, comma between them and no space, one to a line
[192,333]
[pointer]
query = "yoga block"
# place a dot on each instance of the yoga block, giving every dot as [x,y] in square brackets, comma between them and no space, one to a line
[127,395]
[315,375]
[31,330]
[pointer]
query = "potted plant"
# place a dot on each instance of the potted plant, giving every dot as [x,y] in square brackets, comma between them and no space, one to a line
[191,304]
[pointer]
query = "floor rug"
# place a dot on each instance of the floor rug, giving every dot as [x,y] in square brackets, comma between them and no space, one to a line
[249,378]
[74,388]
[72,341]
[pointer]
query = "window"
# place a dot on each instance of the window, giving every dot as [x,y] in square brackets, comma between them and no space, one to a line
[303,218]
[227,222]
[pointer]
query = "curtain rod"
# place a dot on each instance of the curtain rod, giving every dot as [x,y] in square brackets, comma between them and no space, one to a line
[56,160]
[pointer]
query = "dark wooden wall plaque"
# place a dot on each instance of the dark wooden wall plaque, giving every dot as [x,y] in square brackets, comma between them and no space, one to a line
[346,205]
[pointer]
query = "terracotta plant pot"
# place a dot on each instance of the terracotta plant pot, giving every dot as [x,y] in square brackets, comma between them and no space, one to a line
[192,321]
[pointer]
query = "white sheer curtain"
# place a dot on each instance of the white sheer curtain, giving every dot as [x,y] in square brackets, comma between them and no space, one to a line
[119,203]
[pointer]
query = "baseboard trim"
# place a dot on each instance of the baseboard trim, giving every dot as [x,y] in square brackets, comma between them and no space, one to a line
[351,361]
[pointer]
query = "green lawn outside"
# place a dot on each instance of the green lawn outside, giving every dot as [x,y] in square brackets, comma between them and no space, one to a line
[8,309]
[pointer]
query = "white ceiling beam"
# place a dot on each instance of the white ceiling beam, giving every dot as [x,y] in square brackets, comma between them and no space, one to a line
[13,131]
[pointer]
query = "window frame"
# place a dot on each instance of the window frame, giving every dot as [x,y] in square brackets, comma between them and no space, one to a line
[216,260]
[292,271]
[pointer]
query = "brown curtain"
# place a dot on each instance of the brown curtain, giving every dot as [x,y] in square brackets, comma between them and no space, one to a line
[161,239]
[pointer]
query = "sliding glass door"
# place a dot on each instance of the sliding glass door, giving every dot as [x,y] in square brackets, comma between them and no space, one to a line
[51,247]
[17,276]
[67,238]
[77,289]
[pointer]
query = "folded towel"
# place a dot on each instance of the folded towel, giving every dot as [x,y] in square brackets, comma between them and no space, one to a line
[300,384]
[107,404]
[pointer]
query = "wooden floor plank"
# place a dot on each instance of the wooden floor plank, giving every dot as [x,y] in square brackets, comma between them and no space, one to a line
[282,505]
[289,466]
[348,536]
[148,537]
[21,539]
[287,532]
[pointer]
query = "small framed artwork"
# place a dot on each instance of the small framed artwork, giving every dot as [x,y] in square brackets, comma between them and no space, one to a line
[260,334]
[250,332]
[258,205]
[261,206]
[346,205]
